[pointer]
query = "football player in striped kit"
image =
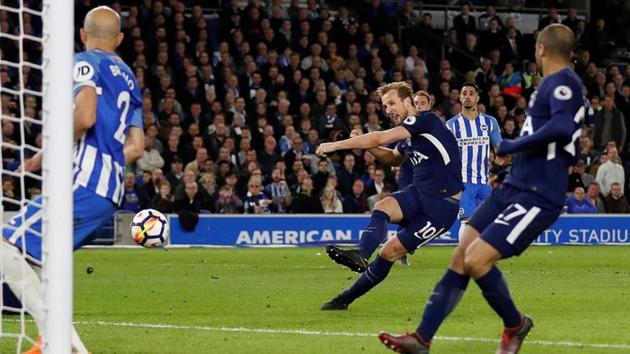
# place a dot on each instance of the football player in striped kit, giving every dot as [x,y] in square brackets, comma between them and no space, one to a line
[108,135]
[476,133]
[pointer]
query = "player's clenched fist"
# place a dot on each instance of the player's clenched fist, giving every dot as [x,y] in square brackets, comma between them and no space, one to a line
[326,148]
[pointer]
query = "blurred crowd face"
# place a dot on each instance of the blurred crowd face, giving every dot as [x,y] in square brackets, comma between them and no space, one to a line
[422,103]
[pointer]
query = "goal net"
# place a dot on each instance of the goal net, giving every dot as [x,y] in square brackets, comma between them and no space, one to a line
[36,47]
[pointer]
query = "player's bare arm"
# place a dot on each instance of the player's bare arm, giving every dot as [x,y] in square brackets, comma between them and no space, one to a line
[367,141]
[84,119]
[134,144]
[390,157]
[84,111]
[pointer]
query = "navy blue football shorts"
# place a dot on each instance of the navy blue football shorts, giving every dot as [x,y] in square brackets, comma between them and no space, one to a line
[425,216]
[511,219]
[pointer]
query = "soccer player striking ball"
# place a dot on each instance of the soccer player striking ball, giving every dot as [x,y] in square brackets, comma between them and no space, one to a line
[108,133]
[357,259]
[529,200]
[430,203]
[475,132]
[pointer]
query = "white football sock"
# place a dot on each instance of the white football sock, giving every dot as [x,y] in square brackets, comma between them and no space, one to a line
[24,282]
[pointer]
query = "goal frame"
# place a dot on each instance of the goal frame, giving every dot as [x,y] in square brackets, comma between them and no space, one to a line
[57,225]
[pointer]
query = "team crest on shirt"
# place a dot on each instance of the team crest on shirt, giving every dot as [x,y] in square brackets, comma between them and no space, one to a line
[83,71]
[410,120]
[484,127]
[563,93]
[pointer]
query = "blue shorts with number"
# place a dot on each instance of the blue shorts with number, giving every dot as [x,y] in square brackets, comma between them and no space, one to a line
[425,216]
[472,197]
[511,219]
[90,213]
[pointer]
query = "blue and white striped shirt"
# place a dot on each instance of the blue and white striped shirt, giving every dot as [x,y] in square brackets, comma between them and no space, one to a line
[99,160]
[474,138]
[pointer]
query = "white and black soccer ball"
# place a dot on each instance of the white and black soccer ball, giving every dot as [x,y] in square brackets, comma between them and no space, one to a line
[149,228]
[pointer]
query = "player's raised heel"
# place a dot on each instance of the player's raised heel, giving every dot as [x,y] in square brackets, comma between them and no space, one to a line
[409,343]
[335,305]
[511,340]
[348,258]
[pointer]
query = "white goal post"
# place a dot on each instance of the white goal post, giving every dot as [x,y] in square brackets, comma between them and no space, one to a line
[58,51]
[55,45]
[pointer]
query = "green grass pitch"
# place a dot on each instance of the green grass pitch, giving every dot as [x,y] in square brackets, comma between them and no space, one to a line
[194,301]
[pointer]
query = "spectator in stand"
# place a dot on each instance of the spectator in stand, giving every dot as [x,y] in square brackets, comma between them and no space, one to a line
[609,125]
[552,17]
[152,187]
[164,201]
[347,175]
[579,204]
[594,196]
[610,171]
[615,201]
[587,153]
[510,81]
[490,14]
[384,193]
[330,203]
[306,201]
[197,164]
[356,202]
[279,192]
[376,187]
[192,201]
[579,178]
[228,203]
[8,191]
[256,202]
[151,159]
[268,156]
[465,22]
[176,173]
[133,198]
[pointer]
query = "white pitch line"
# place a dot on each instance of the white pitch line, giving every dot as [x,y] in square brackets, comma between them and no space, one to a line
[341,334]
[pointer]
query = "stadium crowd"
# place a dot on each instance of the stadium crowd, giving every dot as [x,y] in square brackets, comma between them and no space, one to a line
[234,106]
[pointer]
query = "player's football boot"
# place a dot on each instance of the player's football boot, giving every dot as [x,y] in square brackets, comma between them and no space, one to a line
[512,339]
[347,258]
[36,348]
[409,343]
[335,304]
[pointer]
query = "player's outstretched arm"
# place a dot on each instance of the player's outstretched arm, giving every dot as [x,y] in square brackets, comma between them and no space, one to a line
[390,157]
[84,111]
[559,129]
[365,142]
[134,144]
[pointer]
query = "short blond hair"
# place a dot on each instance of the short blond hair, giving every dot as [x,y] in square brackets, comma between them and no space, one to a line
[423,93]
[402,88]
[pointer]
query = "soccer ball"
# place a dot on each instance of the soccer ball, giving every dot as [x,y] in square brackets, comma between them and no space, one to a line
[149,228]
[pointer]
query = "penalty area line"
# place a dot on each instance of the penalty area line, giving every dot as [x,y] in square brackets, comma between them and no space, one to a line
[308,332]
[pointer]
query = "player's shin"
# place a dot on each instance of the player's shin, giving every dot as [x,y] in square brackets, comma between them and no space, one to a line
[375,233]
[495,290]
[442,301]
[24,283]
[375,273]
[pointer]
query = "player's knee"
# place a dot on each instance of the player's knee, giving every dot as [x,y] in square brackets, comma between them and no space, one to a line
[392,250]
[472,261]
[457,258]
[383,206]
